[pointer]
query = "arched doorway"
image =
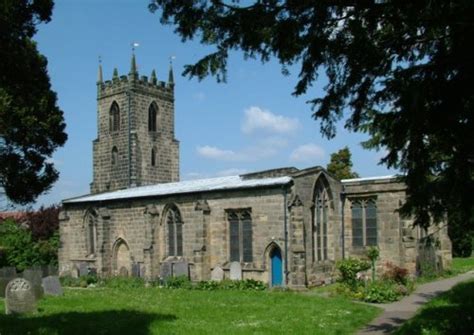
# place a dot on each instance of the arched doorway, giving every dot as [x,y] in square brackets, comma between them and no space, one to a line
[276,267]
[122,259]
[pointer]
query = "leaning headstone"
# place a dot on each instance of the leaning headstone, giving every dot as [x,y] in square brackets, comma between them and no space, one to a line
[20,297]
[6,274]
[181,269]
[217,274]
[123,272]
[165,270]
[35,276]
[235,271]
[83,269]
[52,286]
[135,270]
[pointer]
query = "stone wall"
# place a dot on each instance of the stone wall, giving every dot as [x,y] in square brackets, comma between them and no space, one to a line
[140,224]
[134,96]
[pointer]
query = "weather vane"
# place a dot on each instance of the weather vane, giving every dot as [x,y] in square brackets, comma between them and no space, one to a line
[134,45]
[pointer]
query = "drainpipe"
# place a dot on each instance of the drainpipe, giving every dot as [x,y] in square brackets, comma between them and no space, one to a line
[129,138]
[343,242]
[285,223]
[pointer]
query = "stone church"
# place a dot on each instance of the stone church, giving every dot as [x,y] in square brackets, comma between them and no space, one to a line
[286,227]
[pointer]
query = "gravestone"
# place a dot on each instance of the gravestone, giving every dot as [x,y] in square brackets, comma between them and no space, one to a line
[6,274]
[165,270]
[181,269]
[75,272]
[217,274]
[52,286]
[83,269]
[20,297]
[135,270]
[123,272]
[35,276]
[235,271]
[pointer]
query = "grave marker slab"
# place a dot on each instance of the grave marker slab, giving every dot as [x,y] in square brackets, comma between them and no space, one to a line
[181,269]
[165,270]
[52,286]
[217,274]
[235,271]
[35,276]
[83,269]
[20,297]
[135,270]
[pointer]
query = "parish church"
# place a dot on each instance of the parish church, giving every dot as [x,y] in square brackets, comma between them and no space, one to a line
[285,226]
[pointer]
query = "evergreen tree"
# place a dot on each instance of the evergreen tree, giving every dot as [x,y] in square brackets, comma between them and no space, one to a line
[401,71]
[31,124]
[340,165]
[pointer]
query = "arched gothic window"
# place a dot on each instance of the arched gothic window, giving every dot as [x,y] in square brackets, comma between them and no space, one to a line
[240,231]
[152,115]
[175,232]
[90,222]
[114,117]
[114,156]
[320,225]
[153,157]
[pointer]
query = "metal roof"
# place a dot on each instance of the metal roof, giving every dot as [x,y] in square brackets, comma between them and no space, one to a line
[189,186]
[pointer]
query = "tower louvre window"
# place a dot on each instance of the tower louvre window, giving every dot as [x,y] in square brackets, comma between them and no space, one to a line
[114,156]
[152,115]
[153,157]
[114,117]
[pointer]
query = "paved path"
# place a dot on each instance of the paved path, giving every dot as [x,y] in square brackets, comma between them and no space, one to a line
[400,311]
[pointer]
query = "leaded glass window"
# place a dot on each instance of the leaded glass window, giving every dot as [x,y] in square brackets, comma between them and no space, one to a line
[152,115]
[240,235]
[175,232]
[364,222]
[320,226]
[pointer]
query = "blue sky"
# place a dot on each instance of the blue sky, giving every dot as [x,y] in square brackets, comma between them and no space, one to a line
[250,123]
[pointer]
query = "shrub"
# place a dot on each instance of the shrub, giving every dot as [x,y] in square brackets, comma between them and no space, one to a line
[395,273]
[382,291]
[349,269]
[178,282]
[373,254]
[207,285]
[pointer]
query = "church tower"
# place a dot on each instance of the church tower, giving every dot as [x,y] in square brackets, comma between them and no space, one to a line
[135,143]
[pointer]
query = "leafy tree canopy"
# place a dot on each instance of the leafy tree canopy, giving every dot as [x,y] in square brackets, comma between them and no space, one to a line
[403,71]
[31,124]
[340,165]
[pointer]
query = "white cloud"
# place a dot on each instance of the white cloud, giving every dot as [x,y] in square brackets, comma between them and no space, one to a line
[230,172]
[199,96]
[211,152]
[307,153]
[261,119]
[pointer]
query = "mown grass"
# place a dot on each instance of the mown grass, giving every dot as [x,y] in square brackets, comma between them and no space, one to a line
[450,313]
[146,311]
[461,265]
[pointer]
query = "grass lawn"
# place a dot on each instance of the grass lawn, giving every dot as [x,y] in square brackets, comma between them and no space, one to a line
[450,313]
[162,311]
[461,265]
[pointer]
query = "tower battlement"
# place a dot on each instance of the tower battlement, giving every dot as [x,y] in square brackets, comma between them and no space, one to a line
[135,142]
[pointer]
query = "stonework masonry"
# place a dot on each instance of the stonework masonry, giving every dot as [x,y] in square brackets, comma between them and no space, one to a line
[307,216]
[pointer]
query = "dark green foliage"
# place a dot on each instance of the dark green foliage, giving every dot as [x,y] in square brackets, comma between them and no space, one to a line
[31,123]
[349,268]
[21,250]
[178,282]
[382,291]
[373,254]
[34,242]
[461,239]
[340,165]
[400,71]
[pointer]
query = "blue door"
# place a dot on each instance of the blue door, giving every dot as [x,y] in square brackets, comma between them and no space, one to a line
[277,270]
